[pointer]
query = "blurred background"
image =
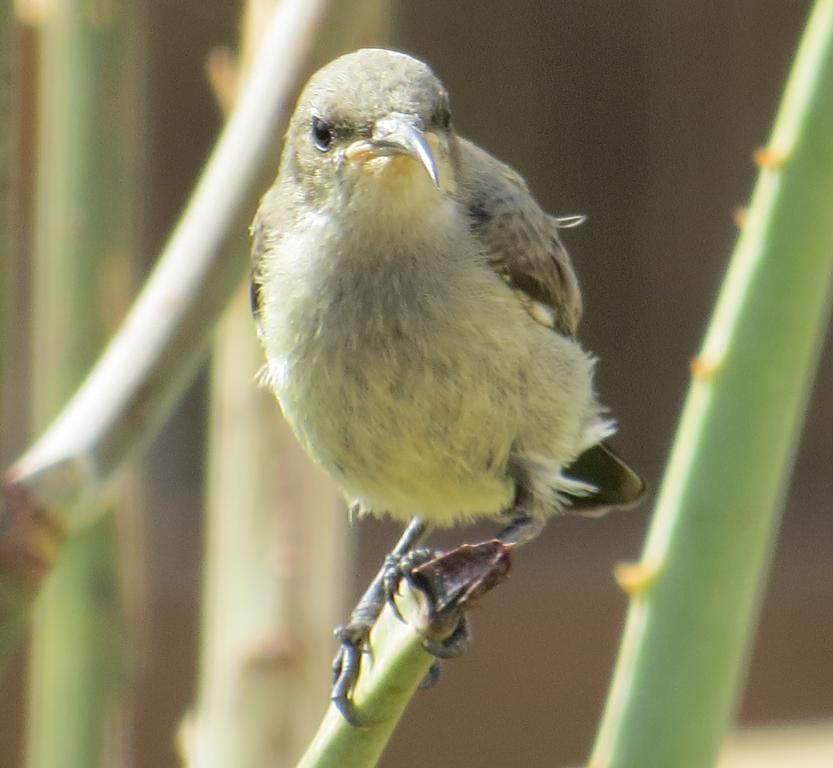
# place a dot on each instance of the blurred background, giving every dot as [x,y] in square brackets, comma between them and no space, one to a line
[643,115]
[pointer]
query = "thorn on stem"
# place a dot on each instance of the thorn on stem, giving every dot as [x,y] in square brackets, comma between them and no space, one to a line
[635,579]
[704,368]
[770,158]
[223,76]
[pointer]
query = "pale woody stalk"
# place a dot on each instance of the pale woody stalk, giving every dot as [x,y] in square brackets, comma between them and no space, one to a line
[278,543]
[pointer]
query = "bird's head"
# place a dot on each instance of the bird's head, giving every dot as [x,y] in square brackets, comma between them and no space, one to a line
[372,128]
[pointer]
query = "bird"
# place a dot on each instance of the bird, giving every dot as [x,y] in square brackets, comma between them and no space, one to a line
[419,313]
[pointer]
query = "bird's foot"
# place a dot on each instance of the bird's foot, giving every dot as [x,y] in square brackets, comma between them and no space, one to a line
[353,636]
[410,568]
[352,639]
[446,586]
[399,568]
[402,568]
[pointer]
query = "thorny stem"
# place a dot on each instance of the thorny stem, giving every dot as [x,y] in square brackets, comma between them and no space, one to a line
[694,596]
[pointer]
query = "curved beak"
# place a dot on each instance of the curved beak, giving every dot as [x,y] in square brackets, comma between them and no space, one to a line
[397,135]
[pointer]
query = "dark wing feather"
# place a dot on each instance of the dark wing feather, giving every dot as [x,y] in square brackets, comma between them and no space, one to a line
[255,287]
[617,485]
[520,240]
[273,217]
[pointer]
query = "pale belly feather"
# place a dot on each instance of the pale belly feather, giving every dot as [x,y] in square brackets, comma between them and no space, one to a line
[414,392]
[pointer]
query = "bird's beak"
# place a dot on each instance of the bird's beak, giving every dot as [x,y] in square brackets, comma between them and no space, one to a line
[397,135]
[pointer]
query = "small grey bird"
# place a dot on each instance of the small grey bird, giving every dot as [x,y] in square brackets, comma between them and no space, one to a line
[419,311]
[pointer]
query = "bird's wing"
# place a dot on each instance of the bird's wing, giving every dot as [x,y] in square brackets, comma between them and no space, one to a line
[616,484]
[256,234]
[522,244]
[270,220]
[520,240]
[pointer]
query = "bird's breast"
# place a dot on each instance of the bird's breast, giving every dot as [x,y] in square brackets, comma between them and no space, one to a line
[383,356]
[355,293]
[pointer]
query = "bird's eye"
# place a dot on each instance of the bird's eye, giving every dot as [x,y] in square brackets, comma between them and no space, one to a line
[322,134]
[441,116]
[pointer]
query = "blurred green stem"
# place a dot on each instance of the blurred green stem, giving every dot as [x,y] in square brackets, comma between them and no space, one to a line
[430,605]
[277,539]
[15,595]
[155,353]
[696,592]
[389,678]
[7,53]
[276,544]
[83,210]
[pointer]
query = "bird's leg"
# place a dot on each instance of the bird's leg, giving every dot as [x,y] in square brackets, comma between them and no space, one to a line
[522,528]
[352,637]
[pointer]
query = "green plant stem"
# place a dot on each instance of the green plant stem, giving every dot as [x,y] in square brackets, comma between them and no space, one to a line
[15,595]
[154,355]
[158,348]
[276,545]
[277,539]
[7,53]
[430,604]
[76,660]
[390,676]
[84,190]
[696,593]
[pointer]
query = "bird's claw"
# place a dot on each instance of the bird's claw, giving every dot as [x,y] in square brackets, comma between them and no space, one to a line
[352,639]
[432,677]
[407,567]
[401,567]
[397,569]
[450,584]
[451,647]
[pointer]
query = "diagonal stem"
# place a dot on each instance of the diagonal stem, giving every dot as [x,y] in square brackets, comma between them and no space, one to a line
[694,597]
[154,355]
